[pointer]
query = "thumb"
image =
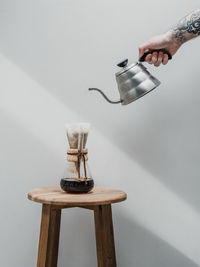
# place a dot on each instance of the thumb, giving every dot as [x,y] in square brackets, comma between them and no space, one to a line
[142,49]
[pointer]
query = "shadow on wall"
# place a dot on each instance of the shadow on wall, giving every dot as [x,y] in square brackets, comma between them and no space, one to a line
[77,232]
[162,137]
[25,162]
[146,248]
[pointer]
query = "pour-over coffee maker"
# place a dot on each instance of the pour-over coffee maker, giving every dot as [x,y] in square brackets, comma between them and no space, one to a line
[77,177]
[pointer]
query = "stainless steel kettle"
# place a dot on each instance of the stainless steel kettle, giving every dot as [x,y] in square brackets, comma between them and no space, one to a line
[134,81]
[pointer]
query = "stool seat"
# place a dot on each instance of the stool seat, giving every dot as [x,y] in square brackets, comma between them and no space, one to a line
[54,195]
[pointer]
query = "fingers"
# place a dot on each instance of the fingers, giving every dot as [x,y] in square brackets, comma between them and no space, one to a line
[154,58]
[165,59]
[157,58]
[149,58]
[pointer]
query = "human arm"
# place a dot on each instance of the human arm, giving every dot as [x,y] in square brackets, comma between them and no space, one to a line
[186,29]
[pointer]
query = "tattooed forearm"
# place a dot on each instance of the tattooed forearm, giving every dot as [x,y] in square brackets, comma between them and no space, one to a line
[188,27]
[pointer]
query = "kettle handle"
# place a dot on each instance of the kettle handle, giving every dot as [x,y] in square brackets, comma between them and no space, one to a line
[98,90]
[142,59]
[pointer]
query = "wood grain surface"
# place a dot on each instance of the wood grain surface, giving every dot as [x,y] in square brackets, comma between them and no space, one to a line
[49,237]
[104,236]
[54,195]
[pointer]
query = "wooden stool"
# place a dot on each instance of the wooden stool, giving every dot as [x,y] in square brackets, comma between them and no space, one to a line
[54,200]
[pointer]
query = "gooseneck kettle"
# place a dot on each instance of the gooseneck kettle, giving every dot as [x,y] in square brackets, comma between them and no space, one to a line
[134,81]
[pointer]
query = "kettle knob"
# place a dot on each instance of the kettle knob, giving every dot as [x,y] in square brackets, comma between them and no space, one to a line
[123,63]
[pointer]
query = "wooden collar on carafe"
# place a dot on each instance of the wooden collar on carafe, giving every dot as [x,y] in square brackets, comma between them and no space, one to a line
[74,154]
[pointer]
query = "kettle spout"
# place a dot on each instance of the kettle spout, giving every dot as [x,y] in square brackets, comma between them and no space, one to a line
[98,90]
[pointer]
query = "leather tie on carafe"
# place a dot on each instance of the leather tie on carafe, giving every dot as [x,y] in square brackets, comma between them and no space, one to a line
[75,155]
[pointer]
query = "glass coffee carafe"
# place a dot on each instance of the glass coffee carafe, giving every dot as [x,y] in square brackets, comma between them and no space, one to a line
[77,177]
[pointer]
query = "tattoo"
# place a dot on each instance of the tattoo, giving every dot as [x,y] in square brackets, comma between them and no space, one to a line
[180,36]
[188,27]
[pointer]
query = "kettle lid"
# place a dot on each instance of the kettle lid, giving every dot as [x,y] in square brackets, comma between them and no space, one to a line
[124,65]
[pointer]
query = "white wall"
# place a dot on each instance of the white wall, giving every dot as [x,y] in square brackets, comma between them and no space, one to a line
[51,51]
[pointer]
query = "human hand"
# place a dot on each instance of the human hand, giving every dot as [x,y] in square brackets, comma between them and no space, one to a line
[165,41]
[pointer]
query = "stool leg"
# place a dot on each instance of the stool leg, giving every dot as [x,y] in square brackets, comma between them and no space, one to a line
[49,237]
[104,236]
